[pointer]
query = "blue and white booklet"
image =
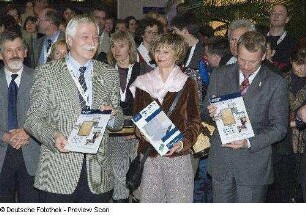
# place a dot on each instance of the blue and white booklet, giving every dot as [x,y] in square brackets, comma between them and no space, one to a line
[232,119]
[88,131]
[157,128]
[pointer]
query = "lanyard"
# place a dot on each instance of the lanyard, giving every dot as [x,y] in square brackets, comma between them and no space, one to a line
[281,38]
[145,55]
[129,74]
[190,55]
[84,94]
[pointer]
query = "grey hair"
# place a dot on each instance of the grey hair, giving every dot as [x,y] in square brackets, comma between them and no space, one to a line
[10,36]
[240,23]
[77,20]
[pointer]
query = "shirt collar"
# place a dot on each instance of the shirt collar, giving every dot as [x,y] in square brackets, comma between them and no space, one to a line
[9,77]
[53,37]
[251,77]
[74,65]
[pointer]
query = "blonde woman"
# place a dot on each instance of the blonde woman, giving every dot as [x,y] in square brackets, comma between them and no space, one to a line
[123,56]
[169,178]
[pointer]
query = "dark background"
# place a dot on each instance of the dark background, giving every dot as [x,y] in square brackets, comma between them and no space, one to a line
[81,7]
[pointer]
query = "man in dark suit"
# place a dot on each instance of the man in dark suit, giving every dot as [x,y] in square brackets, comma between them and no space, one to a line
[48,24]
[18,152]
[61,90]
[241,170]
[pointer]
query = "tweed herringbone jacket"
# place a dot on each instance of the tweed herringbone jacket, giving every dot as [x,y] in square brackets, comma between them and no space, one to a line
[55,108]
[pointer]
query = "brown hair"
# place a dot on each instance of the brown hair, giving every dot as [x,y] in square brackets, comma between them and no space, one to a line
[253,41]
[298,55]
[122,36]
[174,42]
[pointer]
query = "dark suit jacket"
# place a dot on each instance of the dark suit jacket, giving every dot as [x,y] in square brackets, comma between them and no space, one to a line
[266,102]
[38,48]
[30,151]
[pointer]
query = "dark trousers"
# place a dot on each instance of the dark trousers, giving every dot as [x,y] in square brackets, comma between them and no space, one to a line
[82,193]
[15,182]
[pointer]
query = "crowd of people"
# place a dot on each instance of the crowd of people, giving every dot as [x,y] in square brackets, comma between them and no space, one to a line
[54,64]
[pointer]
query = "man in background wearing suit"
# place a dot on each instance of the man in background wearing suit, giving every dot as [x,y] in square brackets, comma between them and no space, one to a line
[241,170]
[61,89]
[19,153]
[48,24]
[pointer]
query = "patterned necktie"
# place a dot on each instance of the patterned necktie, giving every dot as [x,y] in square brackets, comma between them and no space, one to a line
[49,44]
[82,82]
[12,104]
[245,84]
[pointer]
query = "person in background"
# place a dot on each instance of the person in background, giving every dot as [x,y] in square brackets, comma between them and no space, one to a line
[29,11]
[241,170]
[189,30]
[61,90]
[8,23]
[281,42]
[68,13]
[13,11]
[301,125]
[168,178]
[148,30]
[99,14]
[19,153]
[109,25]
[59,51]
[121,25]
[123,56]
[132,25]
[216,51]
[30,36]
[40,5]
[48,24]
[234,32]
[162,19]
[292,149]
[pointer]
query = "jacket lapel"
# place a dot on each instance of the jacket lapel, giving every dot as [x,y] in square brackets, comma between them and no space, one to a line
[3,96]
[233,79]
[256,84]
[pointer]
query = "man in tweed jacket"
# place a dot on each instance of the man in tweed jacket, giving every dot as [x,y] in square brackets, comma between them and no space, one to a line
[68,176]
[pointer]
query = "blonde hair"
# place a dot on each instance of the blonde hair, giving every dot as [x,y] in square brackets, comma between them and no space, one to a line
[53,47]
[122,36]
[172,41]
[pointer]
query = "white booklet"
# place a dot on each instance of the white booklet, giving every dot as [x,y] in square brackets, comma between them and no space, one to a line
[157,128]
[232,118]
[88,131]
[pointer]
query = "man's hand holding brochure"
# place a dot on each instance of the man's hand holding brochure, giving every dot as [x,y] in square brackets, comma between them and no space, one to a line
[88,131]
[232,120]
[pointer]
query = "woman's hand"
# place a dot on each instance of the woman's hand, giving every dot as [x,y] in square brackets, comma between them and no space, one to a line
[177,147]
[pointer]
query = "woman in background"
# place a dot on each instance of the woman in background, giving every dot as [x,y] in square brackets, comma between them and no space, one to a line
[59,50]
[148,30]
[123,56]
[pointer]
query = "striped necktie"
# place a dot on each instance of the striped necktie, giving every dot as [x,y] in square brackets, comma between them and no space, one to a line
[82,82]
[49,44]
[245,84]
